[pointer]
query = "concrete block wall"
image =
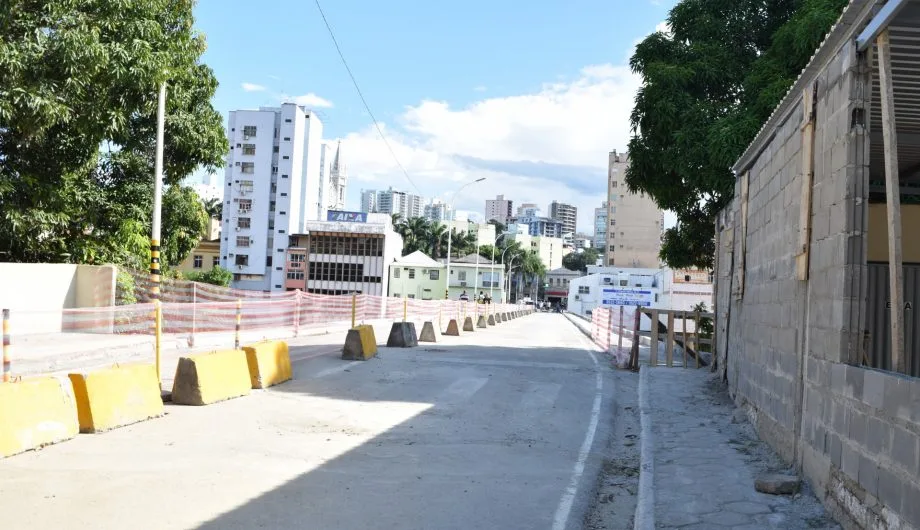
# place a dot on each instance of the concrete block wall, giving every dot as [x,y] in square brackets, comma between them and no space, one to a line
[793,347]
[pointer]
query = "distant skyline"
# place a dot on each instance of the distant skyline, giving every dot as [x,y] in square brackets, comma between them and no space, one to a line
[460,91]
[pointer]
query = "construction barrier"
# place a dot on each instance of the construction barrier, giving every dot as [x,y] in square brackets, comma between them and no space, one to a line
[269,363]
[360,343]
[114,397]
[211,377]
[35,413]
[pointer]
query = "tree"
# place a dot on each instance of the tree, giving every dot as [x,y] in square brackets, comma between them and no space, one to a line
[78,86]
[214,207]
[579,261]
[707,86]
[534,270]
[437,238]
[184,220]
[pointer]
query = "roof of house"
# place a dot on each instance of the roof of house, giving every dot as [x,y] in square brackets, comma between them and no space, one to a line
[472,260]
[562,271]
[418,259]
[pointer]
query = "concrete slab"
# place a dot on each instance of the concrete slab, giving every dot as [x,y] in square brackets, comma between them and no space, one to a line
[428,334]
[453,329]
[481,323]
[402,335]
[468,324]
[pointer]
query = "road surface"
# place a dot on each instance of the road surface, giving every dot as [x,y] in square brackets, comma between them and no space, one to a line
[501,428]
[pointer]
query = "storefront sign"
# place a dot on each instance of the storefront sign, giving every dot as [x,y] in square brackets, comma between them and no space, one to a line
[346,217]
[627,297]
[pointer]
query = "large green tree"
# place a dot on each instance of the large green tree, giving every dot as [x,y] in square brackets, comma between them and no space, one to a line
[707,86]
[78,98]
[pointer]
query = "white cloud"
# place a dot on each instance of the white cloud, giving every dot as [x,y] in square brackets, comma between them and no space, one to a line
[309,100]
[252,87]
[480,88]
[551,144]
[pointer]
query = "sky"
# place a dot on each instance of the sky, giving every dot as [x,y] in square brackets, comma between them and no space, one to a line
[530,95]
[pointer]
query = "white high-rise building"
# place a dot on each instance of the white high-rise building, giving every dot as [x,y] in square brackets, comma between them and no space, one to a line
[392,201]
[273,185]
[499,209]
[369,201]
[438,210]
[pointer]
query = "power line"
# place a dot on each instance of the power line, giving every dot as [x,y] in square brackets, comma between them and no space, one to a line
[361,95]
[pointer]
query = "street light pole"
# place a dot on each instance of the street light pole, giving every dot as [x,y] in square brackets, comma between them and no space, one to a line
[450,233]
[157,196]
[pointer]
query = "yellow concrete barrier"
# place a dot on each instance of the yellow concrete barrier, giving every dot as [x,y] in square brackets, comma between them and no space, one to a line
[118,396]
[210,377]
[360,343]
[269,363]
[35,413]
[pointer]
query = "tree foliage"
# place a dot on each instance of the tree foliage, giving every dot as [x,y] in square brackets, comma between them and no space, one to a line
[78,99]
[579,261]
[430,237]
[708,86]
[216,276]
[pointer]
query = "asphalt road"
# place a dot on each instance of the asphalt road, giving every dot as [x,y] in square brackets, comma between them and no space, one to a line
[501,428]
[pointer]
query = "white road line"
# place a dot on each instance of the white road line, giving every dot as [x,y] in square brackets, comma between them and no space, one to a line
[336,369]
[461,390]
[560,521]
[645,502]
[497,362]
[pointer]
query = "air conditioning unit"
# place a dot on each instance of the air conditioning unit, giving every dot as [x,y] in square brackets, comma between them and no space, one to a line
[462,284]
[236,164]
[577,297]
[237,229]
[245,137]
[240,267]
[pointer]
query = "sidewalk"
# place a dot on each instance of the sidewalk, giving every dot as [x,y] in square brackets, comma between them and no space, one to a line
[704,464]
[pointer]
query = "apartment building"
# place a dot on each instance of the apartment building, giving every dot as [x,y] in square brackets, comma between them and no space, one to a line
[600,227]
[499,209]
[635,223]
[391,201]
[438,210]
[273,186]
[347,255]
[565,214]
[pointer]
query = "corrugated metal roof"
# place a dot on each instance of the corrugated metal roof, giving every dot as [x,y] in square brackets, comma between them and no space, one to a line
[854,16]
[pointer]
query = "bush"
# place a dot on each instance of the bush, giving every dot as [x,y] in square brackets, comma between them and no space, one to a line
[124,288]
[217,276]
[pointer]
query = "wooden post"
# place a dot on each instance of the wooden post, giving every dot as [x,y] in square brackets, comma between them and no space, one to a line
[893,202]
[683,335]
[809,97]
[696,338]
[669,344]
[653,353]
[634,350]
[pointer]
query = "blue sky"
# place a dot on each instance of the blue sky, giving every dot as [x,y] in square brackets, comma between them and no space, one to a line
[531,95]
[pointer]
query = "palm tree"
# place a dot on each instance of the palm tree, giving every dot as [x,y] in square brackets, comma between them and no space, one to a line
[534,269]
[214,207]
[419,228]
[437,233]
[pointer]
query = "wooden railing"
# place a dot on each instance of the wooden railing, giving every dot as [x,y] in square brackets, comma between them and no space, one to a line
[690,342]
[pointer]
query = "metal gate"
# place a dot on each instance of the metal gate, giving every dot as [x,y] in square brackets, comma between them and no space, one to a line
[878,318]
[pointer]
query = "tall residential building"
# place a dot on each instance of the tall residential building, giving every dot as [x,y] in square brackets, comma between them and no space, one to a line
[528,209]
[600,227]
[273,186]
[392,201]
[499,209]
[438,210]
[635,223]
[565,214]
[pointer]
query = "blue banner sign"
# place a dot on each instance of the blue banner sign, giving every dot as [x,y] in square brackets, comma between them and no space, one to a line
[346,217]
[627,297]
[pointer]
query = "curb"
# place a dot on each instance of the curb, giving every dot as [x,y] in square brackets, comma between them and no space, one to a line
[645,504]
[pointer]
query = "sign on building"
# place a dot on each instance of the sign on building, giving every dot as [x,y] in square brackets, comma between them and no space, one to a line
[691,276]
[627,297]
[346,217]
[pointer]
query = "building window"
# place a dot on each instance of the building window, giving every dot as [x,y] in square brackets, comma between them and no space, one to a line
[584,289]
[275,149]
[275,170]
[284,194]
[282,213]
[295,275]
[244,205]
[242,241]
[285,157]
[244,222]
[249,149]
[287,138]
[411,274]
[215,261]
[245,186]
[280,231]
[287,120]
[197,261]
[613,222]
[283,176]
[249,131]
[396,272]
[613,184]
[248,168]
[461,275]
[434,274]
[242,259]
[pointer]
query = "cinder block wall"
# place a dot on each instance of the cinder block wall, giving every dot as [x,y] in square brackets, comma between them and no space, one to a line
[793,347]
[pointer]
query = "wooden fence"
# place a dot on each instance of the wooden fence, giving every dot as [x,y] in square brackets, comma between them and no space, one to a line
[674,332]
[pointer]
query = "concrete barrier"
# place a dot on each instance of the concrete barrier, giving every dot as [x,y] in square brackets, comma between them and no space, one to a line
[360,343]
[504,317]
[269,363]
[468,324]
[453,329]
[402,335]
[211,377]
[118,396]
[35,413]
[481,322]
[428,334]
[491,320]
